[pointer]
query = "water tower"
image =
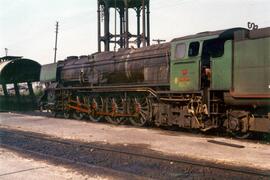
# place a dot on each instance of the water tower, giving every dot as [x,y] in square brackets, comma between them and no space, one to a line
[122,37]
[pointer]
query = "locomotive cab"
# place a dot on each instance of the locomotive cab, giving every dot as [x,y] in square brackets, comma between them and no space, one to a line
[202,61]
[213,67]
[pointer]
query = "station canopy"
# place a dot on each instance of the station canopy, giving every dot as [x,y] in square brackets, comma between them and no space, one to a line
[15,69]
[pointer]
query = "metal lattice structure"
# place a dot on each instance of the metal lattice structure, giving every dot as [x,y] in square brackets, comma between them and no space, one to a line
[124,37]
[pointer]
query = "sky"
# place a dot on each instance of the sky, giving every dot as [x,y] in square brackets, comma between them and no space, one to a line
[27,27]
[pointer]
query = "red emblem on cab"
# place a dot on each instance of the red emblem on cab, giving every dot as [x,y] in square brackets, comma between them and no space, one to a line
[184,72]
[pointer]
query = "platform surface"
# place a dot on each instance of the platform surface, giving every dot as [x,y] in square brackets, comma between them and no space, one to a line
[253,154]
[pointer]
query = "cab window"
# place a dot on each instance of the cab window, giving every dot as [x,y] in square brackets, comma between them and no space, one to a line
[213,48]
[180,51]
[193,49]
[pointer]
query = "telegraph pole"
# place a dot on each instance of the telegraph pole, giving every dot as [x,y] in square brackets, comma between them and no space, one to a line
[159,40]
[56,39]
[6,51]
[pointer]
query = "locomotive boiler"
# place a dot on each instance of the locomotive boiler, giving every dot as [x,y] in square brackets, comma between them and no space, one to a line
[128,66]
[210,80]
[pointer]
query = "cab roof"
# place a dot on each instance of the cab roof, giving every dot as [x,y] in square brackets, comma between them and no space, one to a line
[225,33]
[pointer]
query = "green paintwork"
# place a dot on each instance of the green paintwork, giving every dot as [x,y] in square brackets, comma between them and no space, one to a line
[221,68]
[252,67]
[185,72]
[185,82]
[48,72]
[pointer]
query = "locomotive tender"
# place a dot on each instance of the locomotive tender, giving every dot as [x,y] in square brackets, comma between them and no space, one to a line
[210,80]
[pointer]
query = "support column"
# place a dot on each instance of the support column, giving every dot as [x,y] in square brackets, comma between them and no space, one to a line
[127,26]
[107,26]
[4,86]
[148,23]
[16,88]
[30,88]
[121,12]
[143,19]
[99,27]
[138,10]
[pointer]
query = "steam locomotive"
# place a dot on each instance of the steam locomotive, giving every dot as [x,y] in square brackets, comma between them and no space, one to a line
[210,80]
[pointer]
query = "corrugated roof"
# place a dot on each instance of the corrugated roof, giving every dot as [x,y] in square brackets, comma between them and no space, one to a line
[19,70]
[3,65]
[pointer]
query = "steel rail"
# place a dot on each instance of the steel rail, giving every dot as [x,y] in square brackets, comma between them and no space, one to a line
[244,170]
[72,161]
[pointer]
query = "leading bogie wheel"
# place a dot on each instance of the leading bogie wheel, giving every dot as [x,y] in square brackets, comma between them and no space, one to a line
[54,113]
[78,115]
[66,114]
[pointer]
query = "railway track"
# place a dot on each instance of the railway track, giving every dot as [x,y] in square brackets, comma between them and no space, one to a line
[80,164]
[135,161]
